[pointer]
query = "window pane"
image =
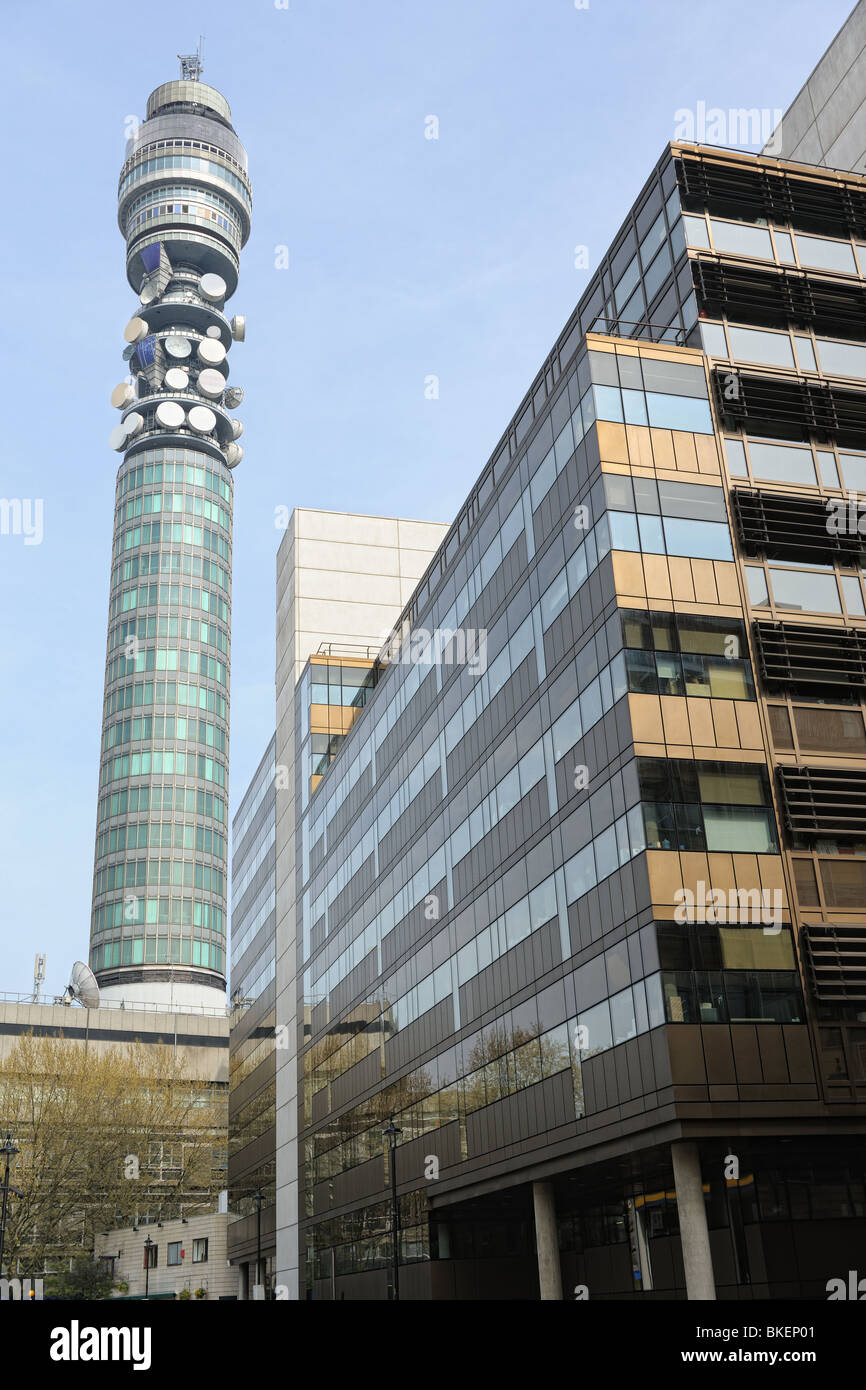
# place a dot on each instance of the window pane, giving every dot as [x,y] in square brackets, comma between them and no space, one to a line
[608,405]
[805,354]
[805,591]
[842,359]
[713,339]
[742,240]
[711,540]
[754,345]
[781,463]
[828,255]
[736,455]
[679,413]
[742,829]
[696,231]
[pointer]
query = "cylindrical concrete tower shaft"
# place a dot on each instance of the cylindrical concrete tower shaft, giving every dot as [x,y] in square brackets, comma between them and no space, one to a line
[158,925]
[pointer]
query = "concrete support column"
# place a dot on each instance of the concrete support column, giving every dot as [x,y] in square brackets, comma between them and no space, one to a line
[546,1241]
[694,1233]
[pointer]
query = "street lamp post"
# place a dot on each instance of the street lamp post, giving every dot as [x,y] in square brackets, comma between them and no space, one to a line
[9,1152]
[392,1134]
[148,1244]
[259,1199]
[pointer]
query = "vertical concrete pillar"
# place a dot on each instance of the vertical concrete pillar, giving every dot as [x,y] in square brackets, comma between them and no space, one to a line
[694,1233]
[546,1241]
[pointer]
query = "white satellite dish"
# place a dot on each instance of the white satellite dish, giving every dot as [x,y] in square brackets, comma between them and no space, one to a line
[234,396]
[202,419]
[117,438]
[82,986]
[149,294]
[234,454]
[212,286]
[237,427]
[211,382]
[135,330]
[170,415]
[133,423]
[176,346]
[210,352]
[239,328]
[122,395]
[213,331]
[177,378]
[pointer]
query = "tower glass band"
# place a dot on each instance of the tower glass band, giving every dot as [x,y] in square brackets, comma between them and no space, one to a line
[158,923]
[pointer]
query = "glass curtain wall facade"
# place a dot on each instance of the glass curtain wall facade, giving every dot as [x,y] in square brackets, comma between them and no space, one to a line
[567,888]
[158,927]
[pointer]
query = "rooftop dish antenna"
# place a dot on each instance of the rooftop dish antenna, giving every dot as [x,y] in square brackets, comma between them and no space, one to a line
[82,986]
[191,65]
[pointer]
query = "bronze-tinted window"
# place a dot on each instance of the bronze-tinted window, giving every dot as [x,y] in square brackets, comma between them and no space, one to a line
[830,730]
[844,882]
[804,882]
[780,726]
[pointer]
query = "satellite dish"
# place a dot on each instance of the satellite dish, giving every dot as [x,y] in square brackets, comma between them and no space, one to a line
[149,294]
[234,396]
[202,419]
[237,427]
[82,986]
[212,286]
[135,330]
[170,415]
[122,395]
[234,454]
[213,331]
[239,328]
[211,352]
[177,378]
[117,438]
[128,351]
[133,423]
[176,346]
[211,382]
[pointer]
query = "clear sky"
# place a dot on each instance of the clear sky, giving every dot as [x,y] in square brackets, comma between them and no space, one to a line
[407,257]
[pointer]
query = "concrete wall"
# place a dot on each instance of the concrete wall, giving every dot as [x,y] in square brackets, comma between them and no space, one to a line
[214,1274]
[826,122]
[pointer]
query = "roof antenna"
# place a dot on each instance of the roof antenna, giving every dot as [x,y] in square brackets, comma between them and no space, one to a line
[191,65]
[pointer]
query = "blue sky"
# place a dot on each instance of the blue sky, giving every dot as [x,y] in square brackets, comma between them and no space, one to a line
[407,257]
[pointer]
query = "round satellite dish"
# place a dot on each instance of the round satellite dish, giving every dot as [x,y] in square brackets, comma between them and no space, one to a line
[117,438]
[176,346]
[133,423]
[239,328]
[212,286]
[234,454]
[202,419]
[82,986]
[237,428]
[170,415]
[177,379]
[128,351]
[234,396]
[211,382]
[149,294]
[213,331]
[122,395]
[135,330]
[211,352]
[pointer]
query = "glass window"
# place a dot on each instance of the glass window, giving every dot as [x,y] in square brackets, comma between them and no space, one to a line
[174,1248]
[634,406]
[199,1250]
[710,540]
[627,284]
[742,240]
[756,583]
[736,456]
[784,246]
[566,731]
[608,405]
[827,468]
[742,829]
[852,594]
[679,413]
[782,463]
[805,354]
[755,345]
[655,276]
[853,468]
[674,378]
[651,537]
[595,1031]
[653,239]
[713,339]
[696,231]
[622,1016]
[842,359]
[692,500]
[827,255]
[623,531]
[805,591]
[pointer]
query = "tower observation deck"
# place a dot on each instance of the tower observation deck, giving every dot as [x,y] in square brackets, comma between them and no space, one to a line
[158,922]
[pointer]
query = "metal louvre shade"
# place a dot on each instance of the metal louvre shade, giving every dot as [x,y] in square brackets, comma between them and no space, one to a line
[784,526]
[820,801]
[836,961]
[790,407]
[726,188]
[805,654]
[779,297]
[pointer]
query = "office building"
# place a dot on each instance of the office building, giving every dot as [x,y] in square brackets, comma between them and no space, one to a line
[826,122]
[158,925]
[579,902]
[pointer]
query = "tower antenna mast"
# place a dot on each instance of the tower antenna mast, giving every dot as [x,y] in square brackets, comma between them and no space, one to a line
[191,65]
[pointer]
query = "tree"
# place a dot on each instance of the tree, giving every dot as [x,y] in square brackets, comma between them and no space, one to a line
[87,1279]
[105,1137]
